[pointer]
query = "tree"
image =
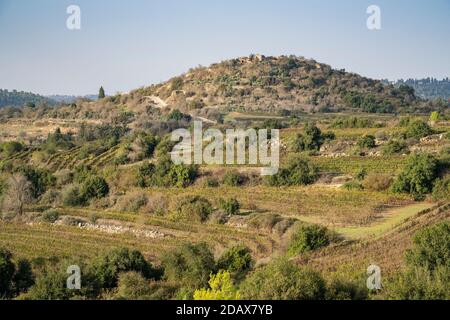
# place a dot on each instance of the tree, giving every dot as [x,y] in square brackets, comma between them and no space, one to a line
[18,194]
[108,266]
[308,238]
[298,171]
[7,270]
[367,141]
[418,129]
[418,176]
[190,265]
[282,280]
[94,187]
[101,93]
[221,288]
[237,261]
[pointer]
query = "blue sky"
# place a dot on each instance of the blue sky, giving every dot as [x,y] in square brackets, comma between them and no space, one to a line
[124,45]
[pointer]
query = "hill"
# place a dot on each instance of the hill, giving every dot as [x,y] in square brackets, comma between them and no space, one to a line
[20,98]
[429,88]
[273,83]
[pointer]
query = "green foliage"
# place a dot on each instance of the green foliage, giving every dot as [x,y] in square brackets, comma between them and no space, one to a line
[14,279]
[221,288]
[311,139]
[237,261]
[418,129]
[431,247]
[233,179]
[308,238]
[177,115]
[108,266]
[434,116]
[230,206]
[367,141]
[418,176]
[57,141]
[190,265]
[193,208]
[177,83]
[441,189]
[11,147]
[345,289]
[133,286]
[166,174]
[19,98]
[282,280]
[353,122]
[40,179]
[71,196]
[94,187]
[101,93]
[395,147]
[50,216]
[298,171]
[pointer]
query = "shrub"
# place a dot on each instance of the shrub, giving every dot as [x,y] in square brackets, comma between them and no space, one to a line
[395,147]
[282,280]
[7,270]
[418,129]
[233,179]
[190,265]
[132,286]
[441,189]
[50,216]
[308,238]
[11,147]
[132,202]
[377,182]
[418,176]
[193,208]
[237,261]
[230,206]
[344,289]
[431,247]
[311,139]
[367,141]
[94,187]
[71,196]
[298,171]
[221,288]
[211,182]
[108,266]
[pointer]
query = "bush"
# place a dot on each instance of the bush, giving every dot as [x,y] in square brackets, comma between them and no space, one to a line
[133,286]
[94,187]
[108,266]
[230,206]
[190,265]
[233,179]
[221,288]
[367,141]
[308,238]
[11,147]
[192,208]
[311,139]
[431,247]
[441,189]
[211,182]
[237,261]
[282,280]
[418,176]
[7,270]
[50,216]
[377,182]
[71,196]
[395,147]
[132,202]
[298,171]
[418,129]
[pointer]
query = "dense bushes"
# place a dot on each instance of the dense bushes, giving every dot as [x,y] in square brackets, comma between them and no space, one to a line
[367,141]
[166,174]
[15,278]
[298,171]
[190,265]
[233,179]
[308,238]
[427,275]
[395,147]
[418,129]
[311,139]
[237,261]
[418,176]
[282,280]
[192,208]
[94,187]
[230,206]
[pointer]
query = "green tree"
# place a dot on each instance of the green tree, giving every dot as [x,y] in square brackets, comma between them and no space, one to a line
[237,261]
[282,280]
[221,288]
[94,187]
[101,93]
[418,176]
[190,265]
[308,238]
